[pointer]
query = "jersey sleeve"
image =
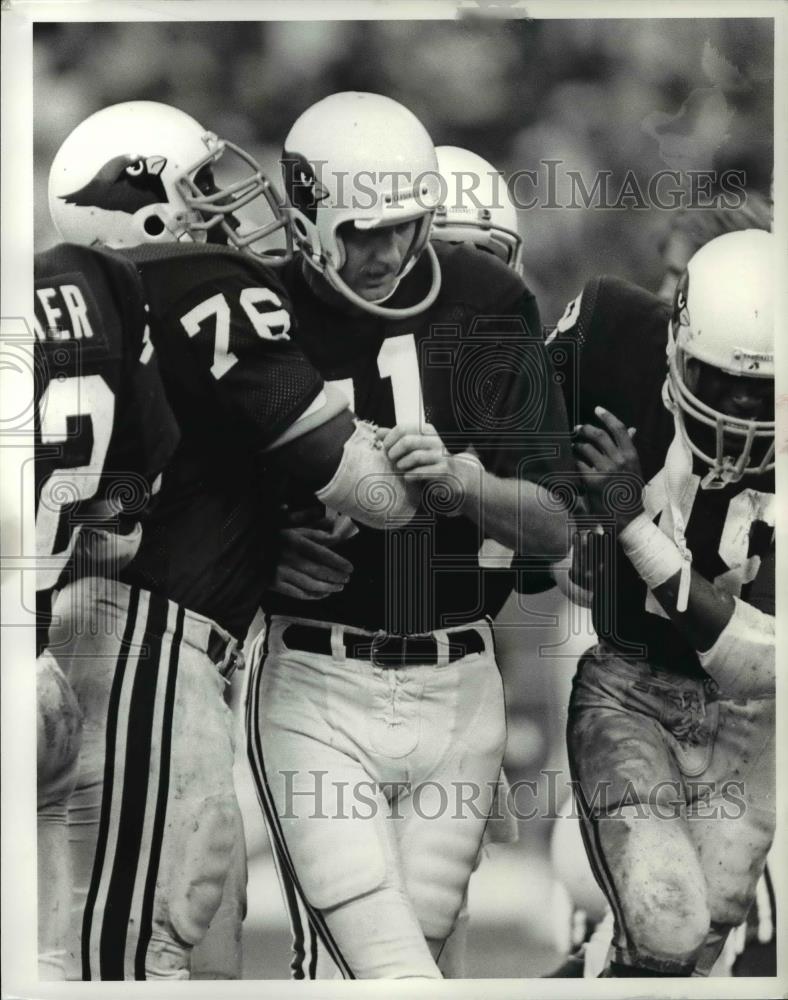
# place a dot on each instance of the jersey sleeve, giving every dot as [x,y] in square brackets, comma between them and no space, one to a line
[231,335]
[147,434]
[525,410]
[505,388]
[146,418]
[522,404]
[623,339]
[565,342]
[92,330]
[529,310]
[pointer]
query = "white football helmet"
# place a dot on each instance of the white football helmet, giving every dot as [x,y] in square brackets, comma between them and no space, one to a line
[365,159]
[723,316]
[142,172]
[476,206]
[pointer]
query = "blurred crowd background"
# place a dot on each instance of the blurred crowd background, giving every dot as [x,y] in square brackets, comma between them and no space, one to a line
[614,95]
[631,97]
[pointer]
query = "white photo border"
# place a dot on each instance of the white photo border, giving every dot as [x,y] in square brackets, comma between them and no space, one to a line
[18,647]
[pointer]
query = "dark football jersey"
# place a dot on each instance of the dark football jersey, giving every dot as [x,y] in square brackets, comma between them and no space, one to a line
[730,531]
[104,429]
[473,365]
[220,323]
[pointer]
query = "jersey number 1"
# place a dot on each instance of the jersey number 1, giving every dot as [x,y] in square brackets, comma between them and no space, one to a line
[397,362]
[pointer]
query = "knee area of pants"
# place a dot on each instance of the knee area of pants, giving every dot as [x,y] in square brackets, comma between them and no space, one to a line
[670,923]
[55,698]
[437,882]
[732,884]
[732,907]
[220,955]
[59,725]
[202,866]
[437,908]
[52,965]
[166,960]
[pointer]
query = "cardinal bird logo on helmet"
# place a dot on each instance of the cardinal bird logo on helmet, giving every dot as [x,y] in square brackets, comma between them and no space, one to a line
[681,315]
[124,184]
[303,188]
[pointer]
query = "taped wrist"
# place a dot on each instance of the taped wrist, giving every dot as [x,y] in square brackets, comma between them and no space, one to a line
[469,476]
[655,557]
[365,485]
[742,660]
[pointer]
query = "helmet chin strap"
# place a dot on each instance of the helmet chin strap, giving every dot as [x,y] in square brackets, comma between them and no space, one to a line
[387,296]
[341,286]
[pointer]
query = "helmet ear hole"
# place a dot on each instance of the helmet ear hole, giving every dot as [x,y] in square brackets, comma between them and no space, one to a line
[153,225]
[300,228]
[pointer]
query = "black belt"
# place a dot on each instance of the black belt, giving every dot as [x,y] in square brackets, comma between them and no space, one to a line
[225,652]
[383,649]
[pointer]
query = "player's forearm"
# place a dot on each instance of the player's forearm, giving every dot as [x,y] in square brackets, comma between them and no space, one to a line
[342,461]
[734,640]
[702,612]
[515,512]
[366,486]
[708,610]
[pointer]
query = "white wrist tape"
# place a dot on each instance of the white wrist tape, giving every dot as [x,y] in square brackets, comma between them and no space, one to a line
[742,660]
[366,486]
[655,557]
[471,472]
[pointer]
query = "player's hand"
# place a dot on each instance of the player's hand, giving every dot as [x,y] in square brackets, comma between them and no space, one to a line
[576,573]
[418,452]
[308,567]
[610,467]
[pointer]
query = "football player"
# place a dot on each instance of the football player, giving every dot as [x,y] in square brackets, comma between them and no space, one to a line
[671,723]
[689,232]
[389,690]
[103,433]
[154,820]
[751,949]
[475,206]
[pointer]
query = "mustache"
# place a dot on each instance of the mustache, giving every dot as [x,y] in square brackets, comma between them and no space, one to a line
[376,271]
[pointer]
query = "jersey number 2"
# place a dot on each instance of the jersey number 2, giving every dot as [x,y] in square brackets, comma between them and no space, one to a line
[86,396]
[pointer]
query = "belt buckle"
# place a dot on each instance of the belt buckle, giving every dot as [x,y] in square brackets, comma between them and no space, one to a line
[379,640]
[232,660]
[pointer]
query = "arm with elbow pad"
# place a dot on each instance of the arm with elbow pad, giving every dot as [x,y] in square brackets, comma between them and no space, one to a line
[734,640]
[330,441]
[366,486]
[742,659]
